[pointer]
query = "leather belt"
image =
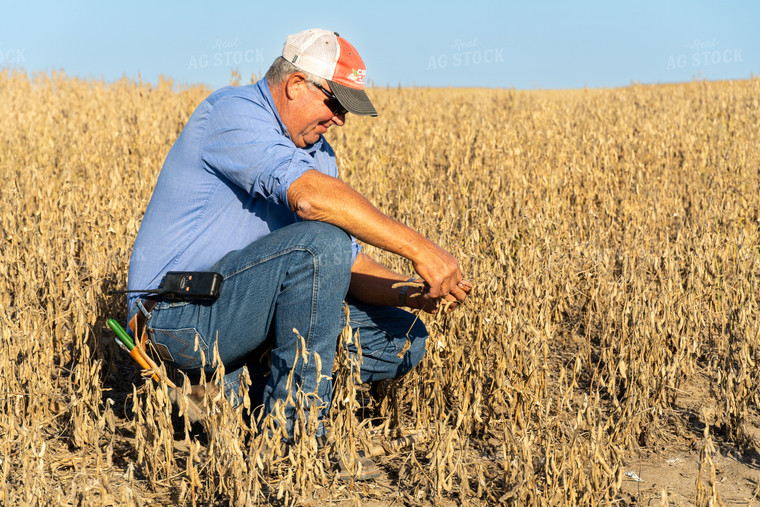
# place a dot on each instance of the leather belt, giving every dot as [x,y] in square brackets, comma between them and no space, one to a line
[138,323]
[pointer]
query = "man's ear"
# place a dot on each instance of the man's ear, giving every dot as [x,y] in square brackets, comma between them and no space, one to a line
[295,85]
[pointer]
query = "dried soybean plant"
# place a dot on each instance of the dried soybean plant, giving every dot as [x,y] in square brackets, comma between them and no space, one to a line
[612,236]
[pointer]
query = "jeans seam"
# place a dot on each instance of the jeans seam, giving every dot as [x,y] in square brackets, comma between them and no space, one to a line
[270,257]
[313,316]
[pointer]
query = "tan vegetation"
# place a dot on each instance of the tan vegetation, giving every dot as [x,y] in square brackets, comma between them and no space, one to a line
[612,236]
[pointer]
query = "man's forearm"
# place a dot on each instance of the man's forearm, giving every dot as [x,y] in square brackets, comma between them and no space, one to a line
[316,196]
[372,283]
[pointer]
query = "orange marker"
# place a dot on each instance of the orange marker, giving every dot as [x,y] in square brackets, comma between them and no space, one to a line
[135,352]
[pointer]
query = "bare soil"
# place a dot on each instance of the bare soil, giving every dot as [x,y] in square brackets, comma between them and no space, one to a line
[670,469]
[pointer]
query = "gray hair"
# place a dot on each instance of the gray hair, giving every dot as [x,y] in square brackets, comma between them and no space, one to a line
[281,70]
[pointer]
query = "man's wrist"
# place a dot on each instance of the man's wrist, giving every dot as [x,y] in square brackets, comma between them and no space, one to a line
[402,293]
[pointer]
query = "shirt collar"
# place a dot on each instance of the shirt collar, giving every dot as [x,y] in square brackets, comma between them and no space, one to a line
[264,90]
[267,94]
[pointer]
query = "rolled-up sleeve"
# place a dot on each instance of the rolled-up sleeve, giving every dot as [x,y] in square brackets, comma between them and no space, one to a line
[246,149]
[245,143]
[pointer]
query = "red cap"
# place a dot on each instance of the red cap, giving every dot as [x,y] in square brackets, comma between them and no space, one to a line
[327,55]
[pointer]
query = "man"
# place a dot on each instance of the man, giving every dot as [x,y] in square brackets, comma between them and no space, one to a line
[250,190]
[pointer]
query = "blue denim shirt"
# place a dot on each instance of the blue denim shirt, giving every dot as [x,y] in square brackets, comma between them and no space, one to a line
[223,185]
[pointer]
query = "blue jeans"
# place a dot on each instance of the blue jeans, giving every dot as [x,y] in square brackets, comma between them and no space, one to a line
[295,278]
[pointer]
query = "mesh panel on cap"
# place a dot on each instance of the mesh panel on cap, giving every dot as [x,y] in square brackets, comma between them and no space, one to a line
[315,51]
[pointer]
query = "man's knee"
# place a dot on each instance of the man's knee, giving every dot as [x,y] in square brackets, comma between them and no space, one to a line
[325,237]
[330,244]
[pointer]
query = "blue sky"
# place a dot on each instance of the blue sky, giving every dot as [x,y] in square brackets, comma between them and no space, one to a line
[546,45]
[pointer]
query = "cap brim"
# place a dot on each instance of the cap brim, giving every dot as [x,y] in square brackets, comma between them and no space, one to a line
[356,101]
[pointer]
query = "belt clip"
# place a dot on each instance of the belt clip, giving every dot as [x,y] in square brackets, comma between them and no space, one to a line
[144,311]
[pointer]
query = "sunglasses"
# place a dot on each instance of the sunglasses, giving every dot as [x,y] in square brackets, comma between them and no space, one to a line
[332,101]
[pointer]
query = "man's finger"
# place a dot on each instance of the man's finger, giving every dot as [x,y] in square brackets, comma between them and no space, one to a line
[465,285]
[448,304]
[458,294]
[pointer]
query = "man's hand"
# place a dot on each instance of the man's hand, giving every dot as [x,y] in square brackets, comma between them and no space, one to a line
[437,267]
[422,300]
[375,284]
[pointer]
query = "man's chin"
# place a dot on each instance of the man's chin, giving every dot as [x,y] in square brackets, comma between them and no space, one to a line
[312,138]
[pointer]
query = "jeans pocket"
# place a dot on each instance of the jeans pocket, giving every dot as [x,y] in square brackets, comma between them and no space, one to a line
[181,345]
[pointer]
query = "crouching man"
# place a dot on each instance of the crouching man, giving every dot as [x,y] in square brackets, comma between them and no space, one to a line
[250,190]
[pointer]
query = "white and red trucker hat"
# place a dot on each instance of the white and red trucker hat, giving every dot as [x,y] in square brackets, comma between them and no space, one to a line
[327,55]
